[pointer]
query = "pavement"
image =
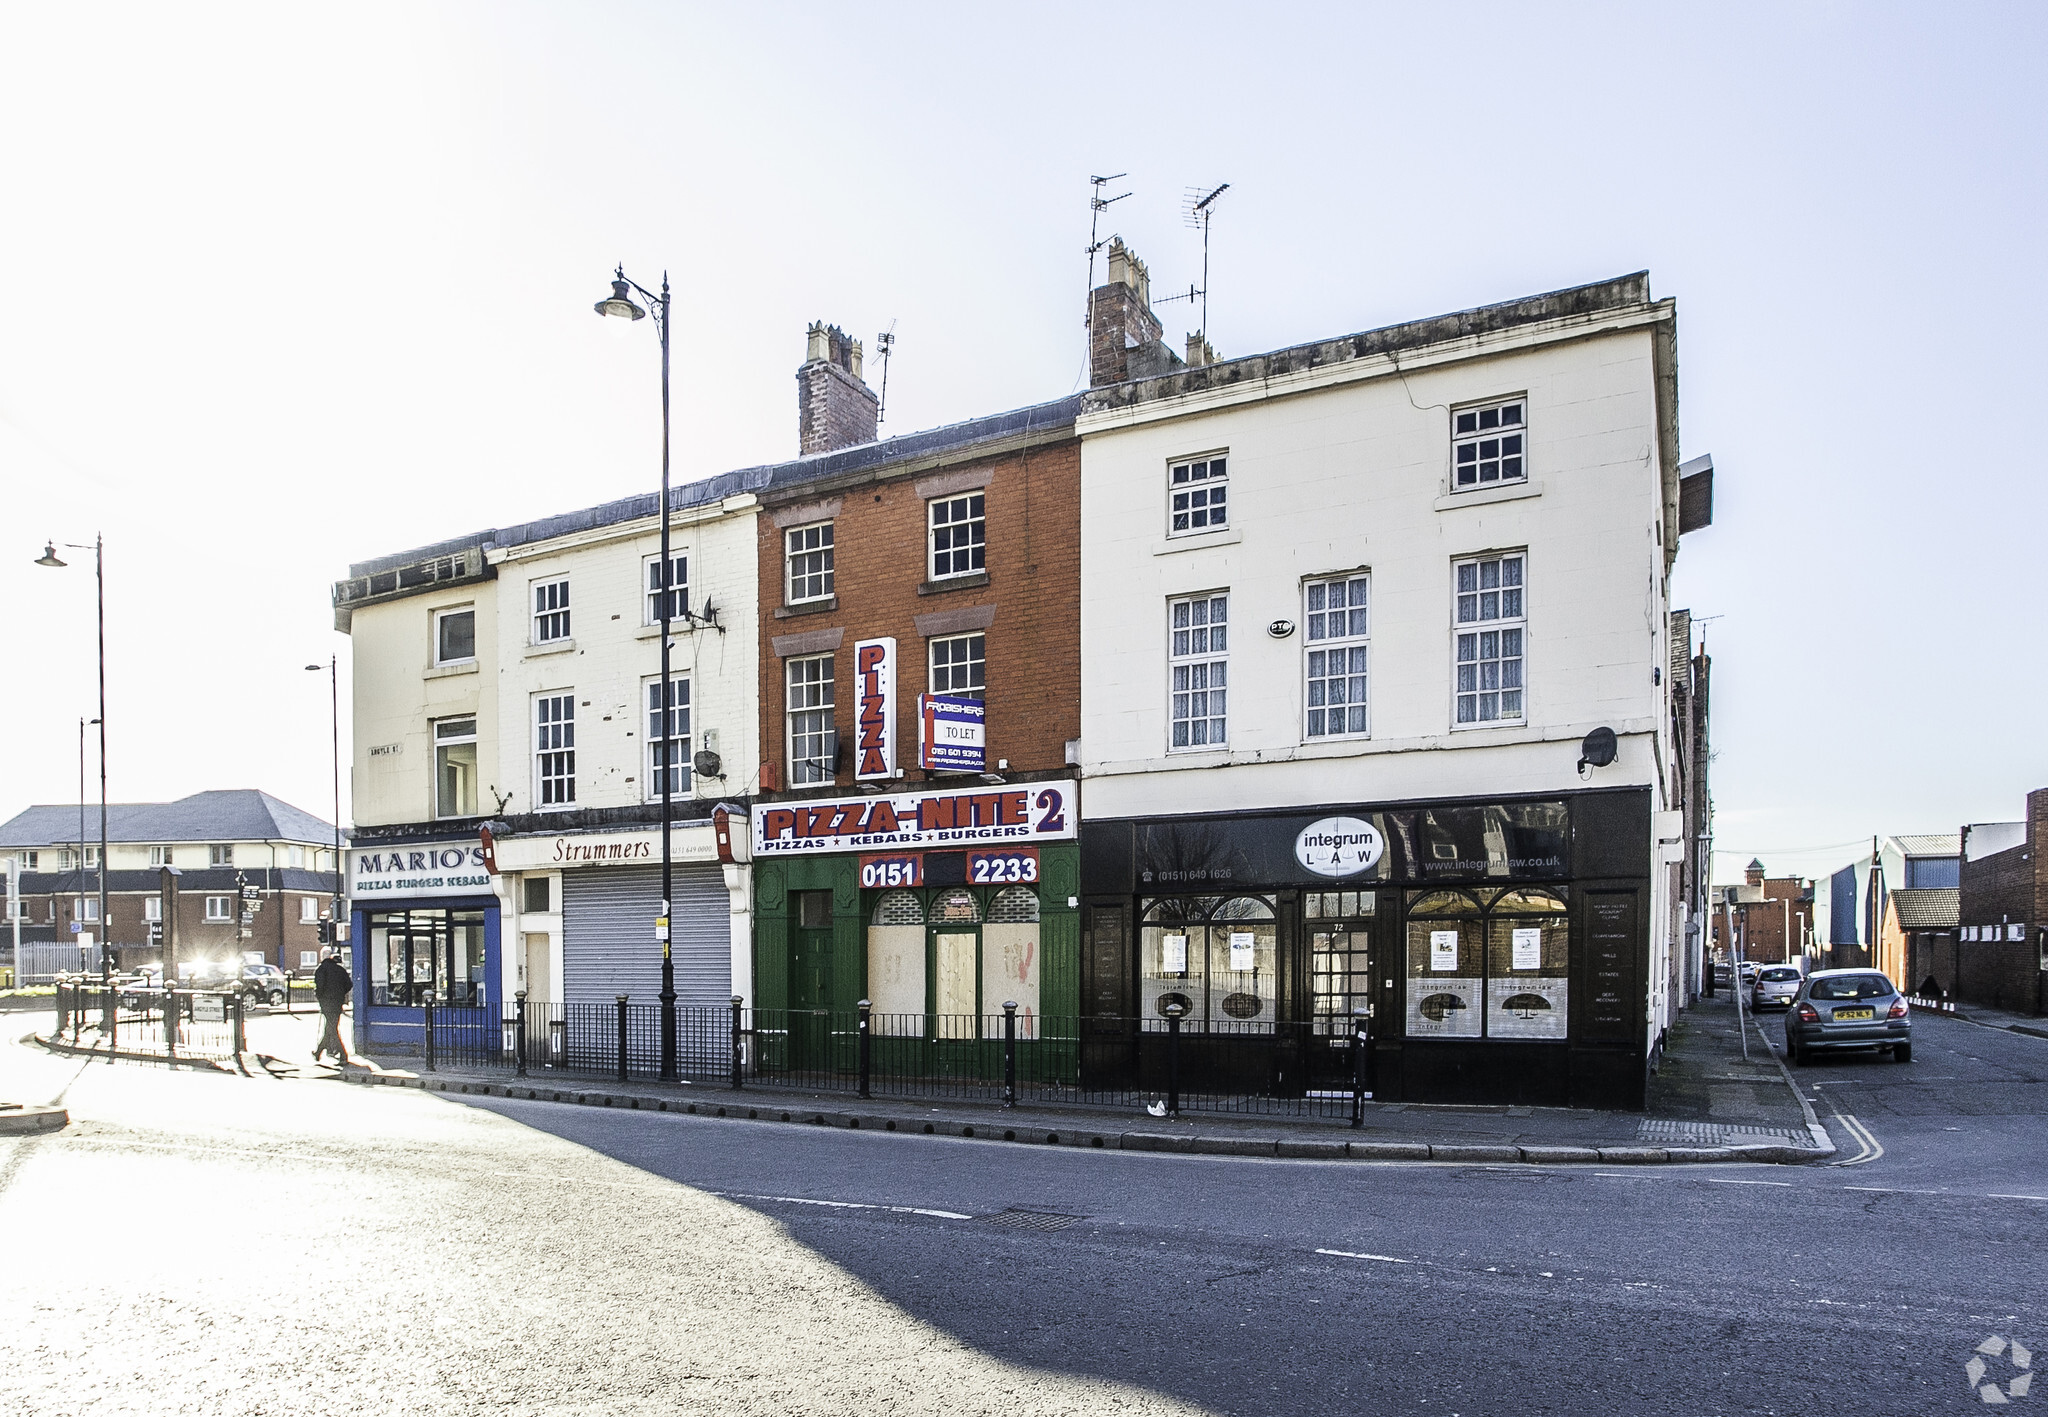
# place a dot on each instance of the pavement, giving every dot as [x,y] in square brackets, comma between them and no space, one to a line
[395,1250]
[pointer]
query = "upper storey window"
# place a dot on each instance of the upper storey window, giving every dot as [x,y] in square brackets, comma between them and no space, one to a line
[1198,495]
[1487,444]
[550,611]
[455,635]
[808,555]
[959,530]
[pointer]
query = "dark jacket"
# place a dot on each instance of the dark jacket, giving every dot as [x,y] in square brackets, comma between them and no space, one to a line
[331,983]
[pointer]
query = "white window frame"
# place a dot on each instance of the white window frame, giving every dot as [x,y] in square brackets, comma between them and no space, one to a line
[1473,438]
[446,733]
[1203,478]
[972,666]
[809,713]
[162,855]
[445,613]
[295,856]
[220,910]
[152,909]
[651,587]
[807,563]
[27,860]
[965,531]
[1347,631]
[1198,663]
[679,708]
[1470,619]
[309,910]
[86,908]
[550,601]
[553,720]
[220,854]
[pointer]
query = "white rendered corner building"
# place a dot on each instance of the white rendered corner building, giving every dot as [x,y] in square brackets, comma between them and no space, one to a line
[1375,721]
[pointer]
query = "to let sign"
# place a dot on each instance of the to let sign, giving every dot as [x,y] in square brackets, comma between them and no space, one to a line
[874,697]
[952,733]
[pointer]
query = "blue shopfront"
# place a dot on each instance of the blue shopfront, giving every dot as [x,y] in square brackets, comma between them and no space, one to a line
[424,932]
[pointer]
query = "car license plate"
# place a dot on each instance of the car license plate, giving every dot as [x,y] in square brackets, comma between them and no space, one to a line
[1852,1015]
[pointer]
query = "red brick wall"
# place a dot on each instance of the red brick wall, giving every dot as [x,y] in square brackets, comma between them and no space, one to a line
[881,560]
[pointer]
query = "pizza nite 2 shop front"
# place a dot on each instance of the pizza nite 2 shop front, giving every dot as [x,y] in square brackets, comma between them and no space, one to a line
[934,902]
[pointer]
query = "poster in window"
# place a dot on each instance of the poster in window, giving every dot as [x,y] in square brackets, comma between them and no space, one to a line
[1243,954]
[1528,948]
[1526,1008]
[1173,954]
[1443,1008]
[1443,951]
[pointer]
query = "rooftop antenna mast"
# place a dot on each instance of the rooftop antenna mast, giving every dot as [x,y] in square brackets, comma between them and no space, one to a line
[1097,205]
[884,343]
[1199,211]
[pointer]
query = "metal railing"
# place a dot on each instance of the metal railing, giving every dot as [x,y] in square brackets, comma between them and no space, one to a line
[1010,1058]
[137,1019]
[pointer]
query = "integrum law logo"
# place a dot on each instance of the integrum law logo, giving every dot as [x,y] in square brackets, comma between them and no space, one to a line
[2000,1370]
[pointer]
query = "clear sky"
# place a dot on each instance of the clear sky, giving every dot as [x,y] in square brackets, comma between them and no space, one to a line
[285,286]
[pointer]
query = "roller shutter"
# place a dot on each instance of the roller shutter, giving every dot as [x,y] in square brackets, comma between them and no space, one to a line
[608,945]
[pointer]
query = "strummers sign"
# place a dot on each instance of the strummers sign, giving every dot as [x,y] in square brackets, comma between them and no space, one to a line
[874,703]
[1023,814]
[952,733]
[429,869]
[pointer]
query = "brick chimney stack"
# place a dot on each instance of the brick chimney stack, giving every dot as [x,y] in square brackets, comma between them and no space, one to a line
[834,408]
[1123,333]
[1753,873]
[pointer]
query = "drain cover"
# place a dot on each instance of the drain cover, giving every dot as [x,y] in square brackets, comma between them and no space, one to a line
[1015,1219]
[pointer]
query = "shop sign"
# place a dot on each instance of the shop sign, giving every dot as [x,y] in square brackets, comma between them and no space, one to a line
[431,869]
[989,868]
[692,842]
[1021,815]
[874,700]
[1339,846]
[878,872]
[952,733]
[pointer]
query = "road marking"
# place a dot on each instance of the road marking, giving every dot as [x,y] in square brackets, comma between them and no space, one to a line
[1732,1181]
[1860,1134]
[1894,1191]
[1355,1255]
[845,1205]
[1997,1197]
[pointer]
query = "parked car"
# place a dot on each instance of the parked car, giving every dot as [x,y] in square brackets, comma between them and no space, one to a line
[1775,987]
[264,984]
[1848,1008]
[1748,973]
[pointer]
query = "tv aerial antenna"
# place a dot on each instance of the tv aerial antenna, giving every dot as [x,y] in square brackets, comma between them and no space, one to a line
[1097,205]
[885,343]
[1197,209]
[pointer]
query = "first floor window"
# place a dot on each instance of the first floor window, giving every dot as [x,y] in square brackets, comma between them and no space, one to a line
[1198,490]
[676,583]
[554,750]
[812,742]
[1337,647]
[1489,636]
[18,908]
[668,738]
[455,635]
[218,908]
[309,910]
[220,855]
[1198,662]
[455,767]
[152,907]
[550,611]
[960,665]
[85,908]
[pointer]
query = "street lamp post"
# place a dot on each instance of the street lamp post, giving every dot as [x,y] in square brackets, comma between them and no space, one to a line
[333,668]
[620,304]
[99,563]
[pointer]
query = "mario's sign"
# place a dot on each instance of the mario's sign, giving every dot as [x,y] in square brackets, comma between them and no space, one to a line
[874,702]
[1022,814]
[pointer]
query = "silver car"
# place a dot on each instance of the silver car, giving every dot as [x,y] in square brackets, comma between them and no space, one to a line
[1848,1008]
[1776,986]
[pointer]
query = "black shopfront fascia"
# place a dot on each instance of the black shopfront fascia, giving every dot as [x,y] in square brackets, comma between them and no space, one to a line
[1592,847]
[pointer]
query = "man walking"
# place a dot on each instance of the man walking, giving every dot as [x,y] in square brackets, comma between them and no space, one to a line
[331,986]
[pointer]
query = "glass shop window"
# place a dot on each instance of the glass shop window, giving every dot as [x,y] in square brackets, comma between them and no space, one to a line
[1217,957]
[1488,963]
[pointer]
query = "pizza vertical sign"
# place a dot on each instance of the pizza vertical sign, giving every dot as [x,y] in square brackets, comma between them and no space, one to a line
[874,698]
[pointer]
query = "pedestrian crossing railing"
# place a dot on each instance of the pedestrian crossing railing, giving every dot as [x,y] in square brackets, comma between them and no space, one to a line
[138,1020]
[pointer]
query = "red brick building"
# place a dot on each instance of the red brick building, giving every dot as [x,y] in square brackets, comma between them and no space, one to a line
[1771,917]
[2000,956]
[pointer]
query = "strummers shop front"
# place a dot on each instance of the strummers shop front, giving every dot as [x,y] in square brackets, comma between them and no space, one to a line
[425,929]
[1499,949]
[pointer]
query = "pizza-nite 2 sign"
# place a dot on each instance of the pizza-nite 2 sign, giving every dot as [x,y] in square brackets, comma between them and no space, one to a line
[1022,815]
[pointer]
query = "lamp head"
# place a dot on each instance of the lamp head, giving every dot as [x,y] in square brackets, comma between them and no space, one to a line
[49,556]
[620,302]
[315,668]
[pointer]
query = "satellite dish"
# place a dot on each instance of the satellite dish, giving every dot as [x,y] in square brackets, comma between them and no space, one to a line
[708,764]
[1598,750]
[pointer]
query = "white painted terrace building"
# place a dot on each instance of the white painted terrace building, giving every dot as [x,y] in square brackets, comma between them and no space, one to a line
[1394,579]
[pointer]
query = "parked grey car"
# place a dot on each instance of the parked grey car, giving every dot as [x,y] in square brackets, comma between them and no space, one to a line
[1775,988]
[1848,1008]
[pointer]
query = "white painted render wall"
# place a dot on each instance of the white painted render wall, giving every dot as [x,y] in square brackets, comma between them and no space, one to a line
[1356,475]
